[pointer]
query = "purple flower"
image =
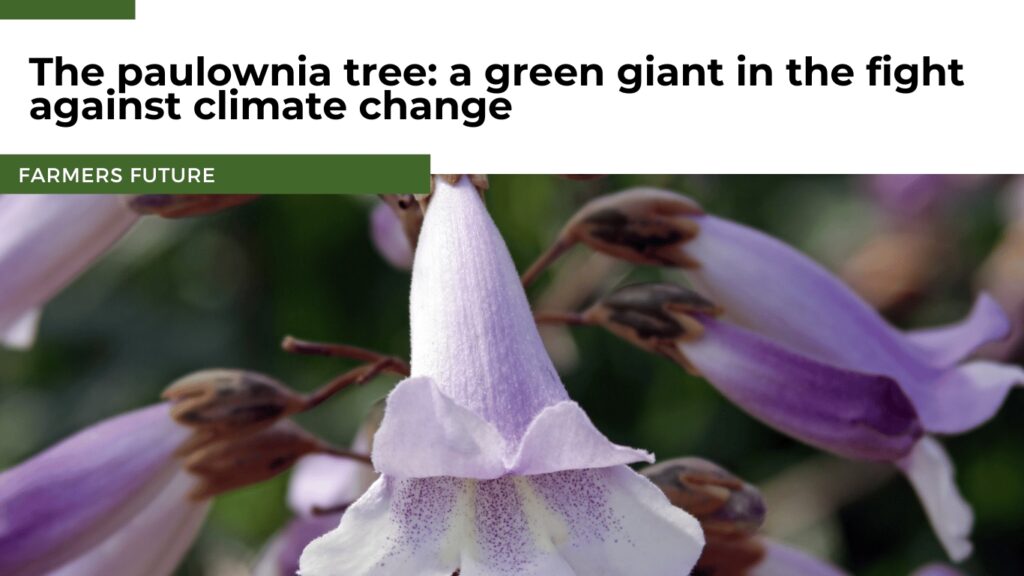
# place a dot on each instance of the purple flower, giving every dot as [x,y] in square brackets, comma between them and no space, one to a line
[487,467]
[111,499]
[389,237]
[795,347]
[46,241]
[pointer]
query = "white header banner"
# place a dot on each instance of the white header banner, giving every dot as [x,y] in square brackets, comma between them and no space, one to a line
[533,87]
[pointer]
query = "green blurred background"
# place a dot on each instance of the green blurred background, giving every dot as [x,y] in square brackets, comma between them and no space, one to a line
[222,290]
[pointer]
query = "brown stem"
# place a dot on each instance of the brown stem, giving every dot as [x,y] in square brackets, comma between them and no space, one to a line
[294,345]
[546,259]
[554,317]
[354,377]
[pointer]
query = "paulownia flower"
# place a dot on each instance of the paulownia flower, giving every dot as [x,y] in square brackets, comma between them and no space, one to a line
[794,346]
[47,240]
[127,496]
[487,467]
[111,499]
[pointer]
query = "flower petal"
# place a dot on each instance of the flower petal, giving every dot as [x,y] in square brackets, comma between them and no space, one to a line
[767,286]
[472,329]
[562,437]
[850,413]
[782,560]
[931,473]
[21,334]
[320,481]
[965,397]
[389,237]
[281,555]
[397,528]
[604,522]
[47,240]
[150,544]
[945,346]
[71,497]
[426,434]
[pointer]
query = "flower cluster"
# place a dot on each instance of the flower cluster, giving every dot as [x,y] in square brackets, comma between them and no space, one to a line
[479,463]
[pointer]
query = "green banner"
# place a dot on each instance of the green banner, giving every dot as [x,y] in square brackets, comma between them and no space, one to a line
[67,9]
[215,174]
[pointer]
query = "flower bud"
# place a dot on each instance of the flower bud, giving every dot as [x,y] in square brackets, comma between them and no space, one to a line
[226,402]
[185,205]
[653,316]
[726,506]
[640,225]
[238,461]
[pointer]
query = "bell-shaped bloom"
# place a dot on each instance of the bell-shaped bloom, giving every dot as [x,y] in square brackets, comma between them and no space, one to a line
[46,241]
[487,467]
[389,237]
[797,348]
[111,499]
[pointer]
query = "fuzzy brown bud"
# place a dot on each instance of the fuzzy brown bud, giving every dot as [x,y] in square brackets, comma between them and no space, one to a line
[640,225]
[225,402]
[238,461]
[654,316]
[726,506]
[185,205]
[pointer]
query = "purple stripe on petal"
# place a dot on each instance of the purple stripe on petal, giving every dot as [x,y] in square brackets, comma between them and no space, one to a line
[389,237]
[850,413]
[782,560]
[72,496]
[602,522]
[47,240]
[947,345]
[932,475]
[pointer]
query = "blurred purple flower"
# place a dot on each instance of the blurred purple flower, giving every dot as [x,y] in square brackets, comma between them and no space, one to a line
[111,499]
[798,308]
[389,237]
[487,466]
[795,346]
[46,241]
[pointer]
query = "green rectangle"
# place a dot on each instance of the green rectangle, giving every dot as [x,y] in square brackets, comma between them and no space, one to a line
[231,174]
[67,10]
